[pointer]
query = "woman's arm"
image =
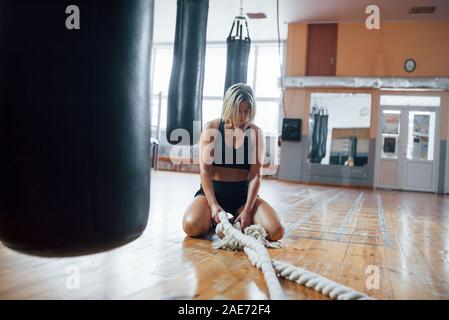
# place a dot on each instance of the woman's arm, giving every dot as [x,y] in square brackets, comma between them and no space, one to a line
[206,157]
[254,178]
[255,171]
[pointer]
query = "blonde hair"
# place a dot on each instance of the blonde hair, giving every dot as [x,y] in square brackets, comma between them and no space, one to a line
[236,94]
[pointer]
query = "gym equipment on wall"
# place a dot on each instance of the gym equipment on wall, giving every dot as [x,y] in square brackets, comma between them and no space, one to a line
[238,47]
[75,122]
[185,91]
[318,120]
[353,148]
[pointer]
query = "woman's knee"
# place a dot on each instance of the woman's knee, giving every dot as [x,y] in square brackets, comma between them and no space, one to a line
[269,219]
[276,232]
[194,227]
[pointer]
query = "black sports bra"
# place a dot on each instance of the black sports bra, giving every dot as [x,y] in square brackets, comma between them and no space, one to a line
[236,158]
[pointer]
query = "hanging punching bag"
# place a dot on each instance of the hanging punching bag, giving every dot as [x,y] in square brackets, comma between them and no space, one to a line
[75,121]
[323,135]
[314,136]
[185,92]
[238,47]
[311,134]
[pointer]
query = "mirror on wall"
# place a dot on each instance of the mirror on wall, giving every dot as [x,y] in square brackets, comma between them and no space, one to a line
[339,129]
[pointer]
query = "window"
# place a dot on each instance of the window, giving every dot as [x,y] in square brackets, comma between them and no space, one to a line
[391,128]
[211,109]
[267,114]
[268,72]
[214,72]
[417,101]
[421,135]
[163,59]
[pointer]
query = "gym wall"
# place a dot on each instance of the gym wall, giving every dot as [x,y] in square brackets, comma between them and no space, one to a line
[364,53]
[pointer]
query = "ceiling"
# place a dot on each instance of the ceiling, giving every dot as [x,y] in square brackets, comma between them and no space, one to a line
[222,13]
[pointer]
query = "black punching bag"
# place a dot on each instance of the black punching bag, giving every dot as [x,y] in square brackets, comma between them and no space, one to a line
[75,121]
[185,92]
[238,47]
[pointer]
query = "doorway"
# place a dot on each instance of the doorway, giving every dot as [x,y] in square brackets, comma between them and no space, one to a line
[407,150]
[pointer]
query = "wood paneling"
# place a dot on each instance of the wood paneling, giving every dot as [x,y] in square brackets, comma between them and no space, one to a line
[382,53]
[296,50]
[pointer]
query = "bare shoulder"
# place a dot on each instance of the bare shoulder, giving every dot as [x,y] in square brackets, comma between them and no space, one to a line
[210,130]
[253,126]
[212,124]
[256,129]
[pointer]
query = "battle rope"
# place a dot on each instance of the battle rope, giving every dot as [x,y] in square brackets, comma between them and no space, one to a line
[254,244]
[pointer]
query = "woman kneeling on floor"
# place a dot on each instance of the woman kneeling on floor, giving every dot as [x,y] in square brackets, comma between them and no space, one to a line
[232,150]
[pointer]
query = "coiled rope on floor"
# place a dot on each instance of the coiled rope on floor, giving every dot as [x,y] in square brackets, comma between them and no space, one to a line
[234,239]
[254,244]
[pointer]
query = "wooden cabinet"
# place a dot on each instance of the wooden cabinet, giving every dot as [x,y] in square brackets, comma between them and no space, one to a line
[321,49]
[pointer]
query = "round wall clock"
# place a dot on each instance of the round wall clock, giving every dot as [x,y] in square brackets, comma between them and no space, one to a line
[410,65]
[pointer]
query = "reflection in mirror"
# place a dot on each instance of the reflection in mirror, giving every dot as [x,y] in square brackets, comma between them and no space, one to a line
[339,128]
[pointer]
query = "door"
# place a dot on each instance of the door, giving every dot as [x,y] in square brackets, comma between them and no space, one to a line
[321,49]
[408,152]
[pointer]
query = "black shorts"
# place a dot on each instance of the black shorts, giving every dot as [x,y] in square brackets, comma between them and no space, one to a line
[230,195]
